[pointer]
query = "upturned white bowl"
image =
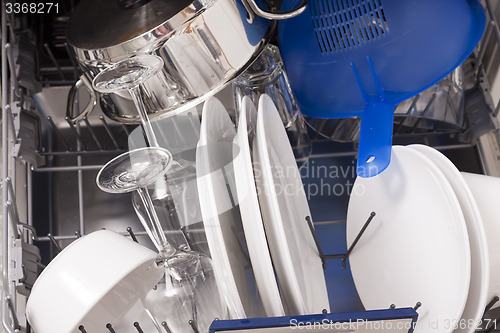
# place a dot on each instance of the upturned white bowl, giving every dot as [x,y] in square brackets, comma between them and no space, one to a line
[92,282]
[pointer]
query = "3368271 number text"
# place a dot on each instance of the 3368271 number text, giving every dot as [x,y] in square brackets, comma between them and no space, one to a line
[31,8]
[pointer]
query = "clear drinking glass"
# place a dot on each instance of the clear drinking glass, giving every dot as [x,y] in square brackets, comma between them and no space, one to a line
[440,107]
[187,298]
[267,75]
[179,207]
[340,130]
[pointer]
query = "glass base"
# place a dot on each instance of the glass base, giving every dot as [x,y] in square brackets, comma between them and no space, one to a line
[187,298]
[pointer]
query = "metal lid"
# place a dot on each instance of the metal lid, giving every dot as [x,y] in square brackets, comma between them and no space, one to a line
[97,24]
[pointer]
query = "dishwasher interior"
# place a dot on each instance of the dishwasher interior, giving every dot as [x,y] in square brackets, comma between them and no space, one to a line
[49,165]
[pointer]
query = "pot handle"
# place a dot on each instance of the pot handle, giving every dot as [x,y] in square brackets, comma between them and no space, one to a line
[253,9]
[70,106]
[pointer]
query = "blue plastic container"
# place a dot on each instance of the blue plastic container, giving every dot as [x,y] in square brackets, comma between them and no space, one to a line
[348,58]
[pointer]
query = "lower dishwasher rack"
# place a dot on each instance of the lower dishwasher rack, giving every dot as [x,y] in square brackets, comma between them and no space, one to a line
[49,166]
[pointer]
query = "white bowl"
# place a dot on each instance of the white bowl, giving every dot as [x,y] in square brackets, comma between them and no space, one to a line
[416,249]
[92,282]
[486,191]
[480,259]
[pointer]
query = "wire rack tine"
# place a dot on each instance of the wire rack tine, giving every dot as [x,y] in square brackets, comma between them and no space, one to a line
[194,326]
[77,135]
[110,328]
[138,327]
[92,132]
[132,235]
[165,326]
[58,132]
[108,130]
[54,60]
[15,320]
[54,242]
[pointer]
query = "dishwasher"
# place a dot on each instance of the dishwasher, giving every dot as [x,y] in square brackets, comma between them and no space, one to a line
[52,153]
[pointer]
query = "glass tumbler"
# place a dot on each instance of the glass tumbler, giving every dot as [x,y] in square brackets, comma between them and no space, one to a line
[267,75]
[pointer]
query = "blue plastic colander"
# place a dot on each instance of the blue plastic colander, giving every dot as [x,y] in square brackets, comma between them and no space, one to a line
[348,58]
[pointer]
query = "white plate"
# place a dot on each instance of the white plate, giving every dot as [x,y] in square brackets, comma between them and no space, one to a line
[214,154]
[416,248]
[480,276]
[250,213]
[284,209]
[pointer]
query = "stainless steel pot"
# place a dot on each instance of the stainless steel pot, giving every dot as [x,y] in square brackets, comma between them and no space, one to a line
[204,45]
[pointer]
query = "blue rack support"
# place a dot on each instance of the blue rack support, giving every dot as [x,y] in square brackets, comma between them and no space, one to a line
[392,320]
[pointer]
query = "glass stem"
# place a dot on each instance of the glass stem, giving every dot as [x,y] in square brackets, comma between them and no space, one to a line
[143,114]
[156,231]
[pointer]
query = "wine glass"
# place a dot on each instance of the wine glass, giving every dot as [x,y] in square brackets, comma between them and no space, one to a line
[134,171]
[187,298]
[189,276]
[128,75]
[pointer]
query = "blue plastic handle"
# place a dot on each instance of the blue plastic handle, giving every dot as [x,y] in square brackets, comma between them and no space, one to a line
[375,139]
